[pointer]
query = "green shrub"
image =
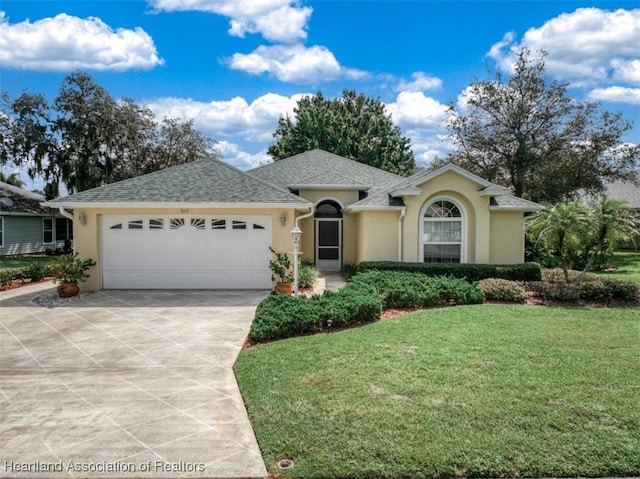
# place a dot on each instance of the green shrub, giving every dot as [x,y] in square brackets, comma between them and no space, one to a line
[7,276]
[399,289]
[622,290]
[556,275]
[348,270]
[35,271]
[497,289]
[349,306]
[282,316]
[307,276]
[556,291]
[472,272]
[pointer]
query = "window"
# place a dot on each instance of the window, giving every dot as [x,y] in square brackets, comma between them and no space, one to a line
[1,232]
[116,227]
[47,230]
[198,223]
[217,224]
[238,225]
[443,233]
[64,229]
[176,223]
[156,224]
[256,226]
[135,224]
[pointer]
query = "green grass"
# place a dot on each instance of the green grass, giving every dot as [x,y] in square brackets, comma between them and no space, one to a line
[628,267]
[484,391]
[15,262]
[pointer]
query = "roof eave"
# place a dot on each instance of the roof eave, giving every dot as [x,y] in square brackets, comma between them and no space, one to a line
[406,192]
[494,192]
[170,204]
[327,187]
[516,208]
[358,208]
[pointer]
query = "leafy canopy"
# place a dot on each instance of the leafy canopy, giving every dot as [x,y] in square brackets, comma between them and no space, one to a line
[353,126]
[526,132]
[86,138]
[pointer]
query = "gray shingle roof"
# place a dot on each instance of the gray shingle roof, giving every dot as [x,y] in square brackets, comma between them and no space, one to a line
[508,202]
[22,201]
[317,165]
[204,181]
[625,191]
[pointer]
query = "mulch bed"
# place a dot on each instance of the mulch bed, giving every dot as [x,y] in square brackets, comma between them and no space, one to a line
[19,283]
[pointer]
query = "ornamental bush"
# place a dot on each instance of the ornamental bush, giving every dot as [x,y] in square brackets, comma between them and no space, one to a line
[398,289]
[472,272]
[497,289]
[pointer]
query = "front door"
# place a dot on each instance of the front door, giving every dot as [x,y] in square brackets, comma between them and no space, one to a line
[329,243]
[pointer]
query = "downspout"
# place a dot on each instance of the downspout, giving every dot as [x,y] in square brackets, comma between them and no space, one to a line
[65,213]
[403,213]
[312,210]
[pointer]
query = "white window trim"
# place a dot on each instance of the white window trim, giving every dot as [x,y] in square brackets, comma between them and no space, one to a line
[53,230]
[463,233]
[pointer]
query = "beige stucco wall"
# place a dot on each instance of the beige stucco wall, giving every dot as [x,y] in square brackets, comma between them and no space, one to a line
[377,238]
[87,237]
[507,237]
[464,192]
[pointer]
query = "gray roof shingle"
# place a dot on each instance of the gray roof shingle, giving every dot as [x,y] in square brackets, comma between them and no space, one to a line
[625,191]
[321,167]
[204,181]
[22,201]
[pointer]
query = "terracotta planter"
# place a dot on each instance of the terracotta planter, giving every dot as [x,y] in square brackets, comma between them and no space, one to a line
[67,290]
[284,288]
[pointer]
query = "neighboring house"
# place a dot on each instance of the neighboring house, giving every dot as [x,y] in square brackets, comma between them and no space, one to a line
[209,225]
[629,192]
[28,227]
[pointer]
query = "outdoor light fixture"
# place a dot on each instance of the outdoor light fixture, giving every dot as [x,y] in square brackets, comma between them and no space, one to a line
[296,234]
[283,218]
[83,218]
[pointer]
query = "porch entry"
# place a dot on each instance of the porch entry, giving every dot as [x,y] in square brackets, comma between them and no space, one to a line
[328,241]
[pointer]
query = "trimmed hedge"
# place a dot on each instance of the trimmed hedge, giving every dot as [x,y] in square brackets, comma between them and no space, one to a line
[599,290]
[399,289]
[362,300]
[281,316]
[472,272]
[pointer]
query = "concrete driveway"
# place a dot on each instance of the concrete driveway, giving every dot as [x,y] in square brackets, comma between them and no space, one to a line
[125,384]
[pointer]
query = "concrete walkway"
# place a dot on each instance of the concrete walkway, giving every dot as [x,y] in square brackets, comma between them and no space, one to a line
[125,384]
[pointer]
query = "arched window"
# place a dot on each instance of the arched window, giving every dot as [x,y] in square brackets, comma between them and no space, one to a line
[443,232]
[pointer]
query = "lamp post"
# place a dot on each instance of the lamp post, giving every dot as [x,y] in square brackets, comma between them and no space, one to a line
[296,234]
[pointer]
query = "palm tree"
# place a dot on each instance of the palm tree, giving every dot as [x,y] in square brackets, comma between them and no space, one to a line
[567,229]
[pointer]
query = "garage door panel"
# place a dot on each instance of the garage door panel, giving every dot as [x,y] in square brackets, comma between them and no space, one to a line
[190,252]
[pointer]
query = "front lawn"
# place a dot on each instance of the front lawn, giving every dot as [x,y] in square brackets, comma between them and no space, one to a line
[627,267]
[18,262]
[484,391]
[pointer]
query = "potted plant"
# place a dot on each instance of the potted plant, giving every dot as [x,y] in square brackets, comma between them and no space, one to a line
[281,272]
[69,270]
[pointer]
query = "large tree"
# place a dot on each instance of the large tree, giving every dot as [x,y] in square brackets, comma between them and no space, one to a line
[353,126]
[86,138]
[524,131]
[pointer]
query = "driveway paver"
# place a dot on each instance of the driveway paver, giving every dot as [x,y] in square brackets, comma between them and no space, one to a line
[125,384]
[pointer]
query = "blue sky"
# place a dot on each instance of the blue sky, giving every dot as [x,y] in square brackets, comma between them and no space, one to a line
[233,66]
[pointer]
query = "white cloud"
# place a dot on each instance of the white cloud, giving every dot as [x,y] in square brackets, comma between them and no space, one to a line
[282,21]
[414,109]
[421,82]
[65,43]
[588,46]
[230,119]
[232,154]
[422,119]
[616,94]
[294,63]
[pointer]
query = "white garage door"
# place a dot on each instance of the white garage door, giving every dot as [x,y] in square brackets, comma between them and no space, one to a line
[186,252]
